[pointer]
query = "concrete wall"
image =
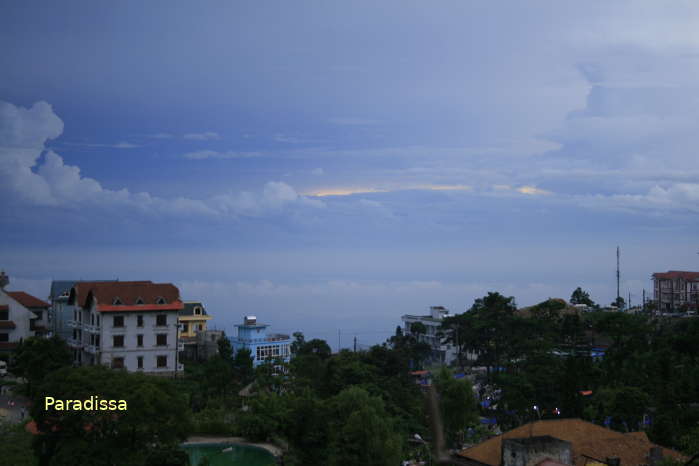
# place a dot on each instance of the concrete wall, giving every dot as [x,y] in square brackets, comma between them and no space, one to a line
[532,450]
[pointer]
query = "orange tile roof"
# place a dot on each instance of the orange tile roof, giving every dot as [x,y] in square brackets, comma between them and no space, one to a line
[27,300]
[589,442]
[128,294]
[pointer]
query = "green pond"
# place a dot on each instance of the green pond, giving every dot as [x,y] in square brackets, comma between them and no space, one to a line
[238,455]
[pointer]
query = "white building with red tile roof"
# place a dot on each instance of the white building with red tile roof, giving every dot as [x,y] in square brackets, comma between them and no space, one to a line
[18,314]
[126,325]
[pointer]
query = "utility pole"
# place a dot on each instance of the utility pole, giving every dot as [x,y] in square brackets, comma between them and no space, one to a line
[355,343]
[628,306]
[338,340]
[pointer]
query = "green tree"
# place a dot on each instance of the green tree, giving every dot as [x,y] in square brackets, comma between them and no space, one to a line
[315,346]
[16,445]
[418,329]
[580,296]
[492,329]
[457,404]
[299,340]
[242,364]
[37,357]
[217,376]
[225,350]
[157,418]
[361,432]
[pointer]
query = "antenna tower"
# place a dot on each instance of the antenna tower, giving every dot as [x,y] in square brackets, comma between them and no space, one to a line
[617,273]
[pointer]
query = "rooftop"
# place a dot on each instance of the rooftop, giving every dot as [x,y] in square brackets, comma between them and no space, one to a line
[589,442]
[127,296]
[189,306]
[27,300]
[673,274]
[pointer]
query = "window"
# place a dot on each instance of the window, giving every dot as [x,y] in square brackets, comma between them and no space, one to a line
[39,315]
[162,361]
[200,327]
[4,337]
[118,341]
[4,315]
[97,340]
[92,319]
[139,321]
[161,339]
[118,321]
[117,301]
[140,362]
[161,320]
[75,315]
[185,328]
[98,319]
[160,300]
[117,363]
[139,340]
[197,310]
[139,300]
[75,334]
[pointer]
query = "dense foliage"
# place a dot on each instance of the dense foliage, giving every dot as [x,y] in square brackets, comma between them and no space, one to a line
[148,432]
[641,371]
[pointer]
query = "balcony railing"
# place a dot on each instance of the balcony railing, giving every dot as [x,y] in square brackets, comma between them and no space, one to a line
[75,343]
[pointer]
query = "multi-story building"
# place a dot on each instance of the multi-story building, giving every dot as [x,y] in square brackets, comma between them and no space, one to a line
[676,290]
[192,319]
[199,342]
[60,311]
[40,308]
[16,318]
[126,325]
[263,346]
[442,353]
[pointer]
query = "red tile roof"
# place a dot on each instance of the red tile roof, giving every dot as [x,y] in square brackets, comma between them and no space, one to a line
[27,300]
[128,293]
[588,441]
[672,274]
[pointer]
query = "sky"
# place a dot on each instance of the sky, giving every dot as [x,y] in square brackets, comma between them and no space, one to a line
[331,165]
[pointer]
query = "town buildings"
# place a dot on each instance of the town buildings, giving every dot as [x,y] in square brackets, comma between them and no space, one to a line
[21,316]
[442,353]
[126,325]
[676,290]
[263,346]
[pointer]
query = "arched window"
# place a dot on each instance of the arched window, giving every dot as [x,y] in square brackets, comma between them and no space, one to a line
[139,300]
[160,300]
[197,310]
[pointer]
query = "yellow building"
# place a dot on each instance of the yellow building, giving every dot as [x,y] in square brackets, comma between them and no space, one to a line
[192,319]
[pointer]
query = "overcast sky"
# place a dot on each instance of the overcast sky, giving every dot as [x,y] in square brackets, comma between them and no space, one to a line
[332,165]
